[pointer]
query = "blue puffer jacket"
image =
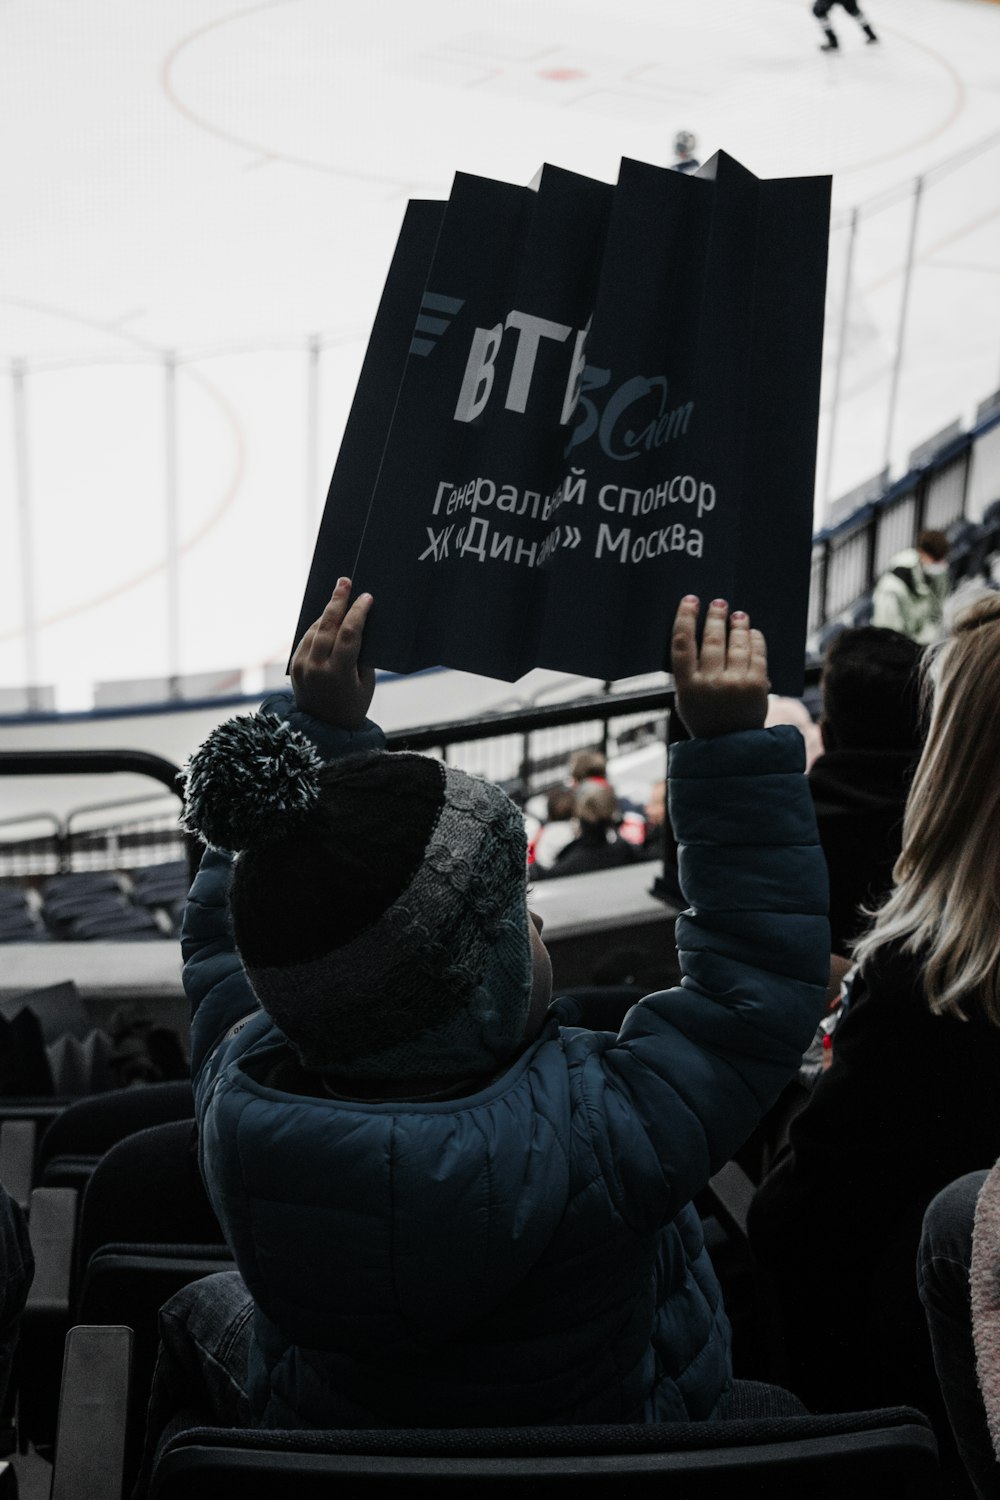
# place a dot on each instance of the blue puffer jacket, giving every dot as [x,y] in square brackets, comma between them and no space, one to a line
[529,1253]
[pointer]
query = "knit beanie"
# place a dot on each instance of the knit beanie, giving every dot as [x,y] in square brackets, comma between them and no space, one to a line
[378,902]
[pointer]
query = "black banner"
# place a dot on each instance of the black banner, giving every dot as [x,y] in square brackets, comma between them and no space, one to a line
[580,402]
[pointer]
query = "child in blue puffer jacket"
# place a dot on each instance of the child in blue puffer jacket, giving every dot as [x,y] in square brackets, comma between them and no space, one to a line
[449,1203]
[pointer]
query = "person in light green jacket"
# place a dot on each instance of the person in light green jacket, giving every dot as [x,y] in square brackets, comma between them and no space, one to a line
[909,596]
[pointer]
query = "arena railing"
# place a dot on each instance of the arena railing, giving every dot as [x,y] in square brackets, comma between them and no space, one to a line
[953,481]
[65,848]
[525,750]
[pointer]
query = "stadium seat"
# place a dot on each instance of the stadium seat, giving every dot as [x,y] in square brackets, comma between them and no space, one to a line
[21,926]
[145,1228]
[92,1439]
[19,921]
[889,1454]
[160,885]
[61,910]
[129,924]
[82,883]
[883,1455]
[81,1133]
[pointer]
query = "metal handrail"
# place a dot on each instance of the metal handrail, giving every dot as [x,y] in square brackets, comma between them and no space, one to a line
[119,805]
[94,762]
[522,722]
[526,720]
[90,762]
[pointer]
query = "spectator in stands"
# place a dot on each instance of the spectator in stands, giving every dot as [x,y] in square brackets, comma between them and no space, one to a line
[872,733]
[17,1269]
[556,832]
[449,1204]
[597,845]
[588,765]
[909,1102]
[781,710]
[591,766]
[910,595]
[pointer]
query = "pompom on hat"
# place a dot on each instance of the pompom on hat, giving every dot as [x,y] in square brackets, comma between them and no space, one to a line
[251,781]
[378,902]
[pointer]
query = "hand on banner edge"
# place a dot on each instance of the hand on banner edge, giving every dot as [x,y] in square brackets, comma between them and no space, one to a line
[327,679]
[722,687]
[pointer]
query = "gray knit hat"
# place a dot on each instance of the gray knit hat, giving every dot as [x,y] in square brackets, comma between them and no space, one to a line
[438,983]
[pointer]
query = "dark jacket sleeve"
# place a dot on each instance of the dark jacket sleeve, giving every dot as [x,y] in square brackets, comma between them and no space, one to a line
[695,1067]
[214,980]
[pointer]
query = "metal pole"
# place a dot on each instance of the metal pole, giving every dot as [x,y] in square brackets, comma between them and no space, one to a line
[841,348]
[525,768]
[28,610]
[172,522]
[903,310]
[312,448]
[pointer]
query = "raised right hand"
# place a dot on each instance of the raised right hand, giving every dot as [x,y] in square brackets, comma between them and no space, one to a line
[722,688]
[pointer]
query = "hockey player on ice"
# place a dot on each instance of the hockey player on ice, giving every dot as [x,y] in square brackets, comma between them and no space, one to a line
[684,148]
[821,10]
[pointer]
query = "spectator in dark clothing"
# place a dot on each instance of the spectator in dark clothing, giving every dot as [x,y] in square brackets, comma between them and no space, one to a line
[598,846]
[871,730]
[556,832]
[908,1103]
[451,1204]
[589,766]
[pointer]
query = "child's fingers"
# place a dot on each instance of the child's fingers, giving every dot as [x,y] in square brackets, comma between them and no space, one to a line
[758,653]
[347,646]
[303,651]
[738,648]
[326,629]
[683,653]
[713,637]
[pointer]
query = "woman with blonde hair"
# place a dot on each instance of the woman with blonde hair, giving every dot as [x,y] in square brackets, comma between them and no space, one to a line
[946,901]
[909,1101]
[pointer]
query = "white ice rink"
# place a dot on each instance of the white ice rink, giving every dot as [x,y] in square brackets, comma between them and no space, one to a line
[227,182]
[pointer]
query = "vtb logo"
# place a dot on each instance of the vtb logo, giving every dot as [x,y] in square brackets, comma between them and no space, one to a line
[436,315]
[634,416]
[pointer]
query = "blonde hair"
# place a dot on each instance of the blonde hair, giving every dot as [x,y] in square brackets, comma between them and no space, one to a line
[946,901]
[596,803]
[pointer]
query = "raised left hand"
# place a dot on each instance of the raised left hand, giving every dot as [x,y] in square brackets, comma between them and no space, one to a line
[326,678]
